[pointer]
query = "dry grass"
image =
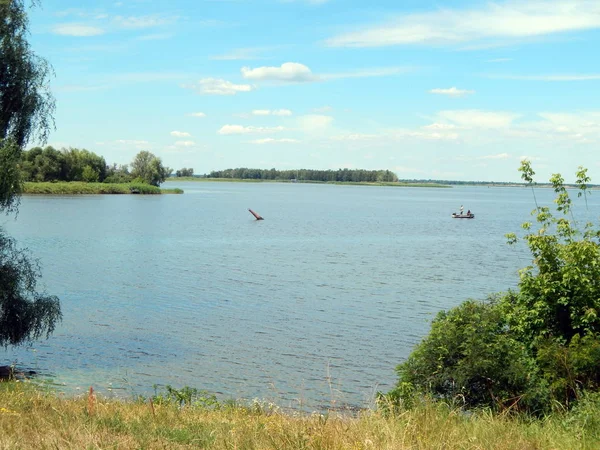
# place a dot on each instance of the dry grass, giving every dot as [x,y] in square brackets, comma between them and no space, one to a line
[31,419]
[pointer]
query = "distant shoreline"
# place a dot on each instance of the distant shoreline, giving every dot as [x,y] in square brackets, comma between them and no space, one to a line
[349,183]
[400,183]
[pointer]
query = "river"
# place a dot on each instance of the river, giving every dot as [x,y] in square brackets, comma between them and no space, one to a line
[311,308]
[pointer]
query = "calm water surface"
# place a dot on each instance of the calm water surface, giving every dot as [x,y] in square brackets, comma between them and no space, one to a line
[316,304]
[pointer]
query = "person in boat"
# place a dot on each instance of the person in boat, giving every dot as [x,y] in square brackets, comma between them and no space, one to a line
[461,210]
[469,212]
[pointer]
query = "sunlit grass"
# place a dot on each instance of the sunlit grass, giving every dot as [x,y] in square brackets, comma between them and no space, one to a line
[79,187]
[33,419]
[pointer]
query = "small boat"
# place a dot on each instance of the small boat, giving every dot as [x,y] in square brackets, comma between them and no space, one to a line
[463,216]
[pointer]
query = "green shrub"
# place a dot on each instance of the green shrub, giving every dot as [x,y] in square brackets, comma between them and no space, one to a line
[471,358]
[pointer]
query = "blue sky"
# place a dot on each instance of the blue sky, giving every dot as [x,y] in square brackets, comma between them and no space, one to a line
[447,90]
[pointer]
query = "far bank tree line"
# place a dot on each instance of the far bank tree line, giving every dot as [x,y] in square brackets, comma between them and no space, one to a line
[48,164]
[339,175]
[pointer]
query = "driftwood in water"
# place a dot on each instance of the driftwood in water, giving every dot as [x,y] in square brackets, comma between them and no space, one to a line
[258,217]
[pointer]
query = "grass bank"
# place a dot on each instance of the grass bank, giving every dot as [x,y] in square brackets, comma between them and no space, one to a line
[79,187]
[351,183]
[32,419]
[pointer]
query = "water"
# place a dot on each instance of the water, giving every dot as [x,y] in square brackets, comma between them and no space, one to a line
[312,307]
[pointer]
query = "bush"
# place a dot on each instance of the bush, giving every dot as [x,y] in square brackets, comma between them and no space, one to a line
[471,358]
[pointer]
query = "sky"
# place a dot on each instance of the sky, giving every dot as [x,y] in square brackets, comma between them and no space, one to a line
[451,89]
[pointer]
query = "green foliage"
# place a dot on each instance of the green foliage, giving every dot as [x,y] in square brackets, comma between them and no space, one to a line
[25,314]
[569,369]
[149,168]
[340,175]
[534,349]
[71,164]
[471,358]
[117,174]
[11,184]
[26,103]
[189,172]
[79,187]
[186,396]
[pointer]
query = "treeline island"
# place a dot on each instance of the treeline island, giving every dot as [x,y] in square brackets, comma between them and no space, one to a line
[74,171]
[339,176]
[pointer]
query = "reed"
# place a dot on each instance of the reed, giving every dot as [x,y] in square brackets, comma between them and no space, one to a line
[81,188]
[34,419]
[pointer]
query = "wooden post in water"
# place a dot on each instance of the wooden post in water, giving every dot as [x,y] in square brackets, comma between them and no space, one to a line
[258,217]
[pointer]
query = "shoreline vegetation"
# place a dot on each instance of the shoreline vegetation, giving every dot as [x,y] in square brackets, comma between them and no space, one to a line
[399,183]
[83,188]
[32,417]
[345,183]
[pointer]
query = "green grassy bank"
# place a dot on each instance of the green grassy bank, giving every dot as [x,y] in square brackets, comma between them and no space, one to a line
[32,419]
[79,187]
[357,183]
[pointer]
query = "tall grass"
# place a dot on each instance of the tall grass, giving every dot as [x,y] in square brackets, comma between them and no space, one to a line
[79,187]
[33,419]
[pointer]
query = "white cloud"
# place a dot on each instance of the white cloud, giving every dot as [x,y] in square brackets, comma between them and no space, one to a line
[268,112]
[289,72]
[355,137]
[274,141]
[139,22]
[366,73]
[507,21]
[180,134]
[74,29]
[240,129]
[498,156]
[198,114]
[580,127]
[185,143]
[439,126]
[217,86]
[323,109]
[404,169]
[451,92]
[565,77]
[426,134]
[475,118]
[136,143]
[314,122]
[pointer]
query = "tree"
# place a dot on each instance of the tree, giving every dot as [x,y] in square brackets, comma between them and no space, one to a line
[26,107]
[25,314]
[26,103]
[189,172]
[149,168]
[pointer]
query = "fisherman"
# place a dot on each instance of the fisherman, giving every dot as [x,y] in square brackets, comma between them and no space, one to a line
[461,209]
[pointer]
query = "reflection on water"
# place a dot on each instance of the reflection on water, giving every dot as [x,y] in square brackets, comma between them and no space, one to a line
[313,306]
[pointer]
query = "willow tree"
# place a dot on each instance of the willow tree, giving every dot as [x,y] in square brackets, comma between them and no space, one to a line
[26,108]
